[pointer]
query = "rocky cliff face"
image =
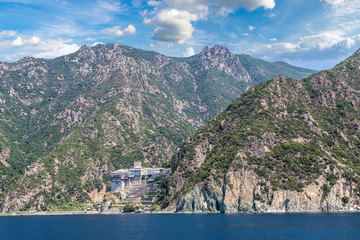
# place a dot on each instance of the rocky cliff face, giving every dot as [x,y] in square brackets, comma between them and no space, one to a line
[283,146]
[243,193]
[65,123]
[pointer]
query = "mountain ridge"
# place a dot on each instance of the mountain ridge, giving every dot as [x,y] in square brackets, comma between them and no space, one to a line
[67,122]
[284,145]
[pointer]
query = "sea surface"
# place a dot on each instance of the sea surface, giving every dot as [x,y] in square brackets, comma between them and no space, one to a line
[183,226]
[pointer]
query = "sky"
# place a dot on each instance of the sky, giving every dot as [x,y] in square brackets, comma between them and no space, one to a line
[316,34]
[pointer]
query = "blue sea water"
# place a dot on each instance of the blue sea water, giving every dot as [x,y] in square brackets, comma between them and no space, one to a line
[183,226]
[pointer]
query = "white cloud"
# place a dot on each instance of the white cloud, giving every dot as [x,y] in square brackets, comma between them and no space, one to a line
[96,43]
[33,41]
[273,39]
[249,4]
[152,45]
[333,1]
[344,16]
[192,5]
[272,15]
[245,34]
[251,28]
[54,48]
[173,18]
[153,3]
[127,31]
[172,25]
[17,42]
[326,46]
[188,52]
[35,47]
[320,41]
[117,32]
[7,33]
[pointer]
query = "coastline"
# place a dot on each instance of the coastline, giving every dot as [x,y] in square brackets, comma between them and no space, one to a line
[64,213]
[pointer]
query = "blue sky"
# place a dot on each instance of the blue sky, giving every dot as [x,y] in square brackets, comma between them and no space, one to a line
[309,33]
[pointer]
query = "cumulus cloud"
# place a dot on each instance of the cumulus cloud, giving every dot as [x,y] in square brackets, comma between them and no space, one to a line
[35,47]
[117,32]
[7,33]
[188,52]
[51,48]
[173,19]
[127,31]
[321,47]
[331,42]
[172,25]
[33,41]
[17,42]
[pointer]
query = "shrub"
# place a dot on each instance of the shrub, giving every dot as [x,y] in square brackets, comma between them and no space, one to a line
[326,190]
[345,199]
[129,208]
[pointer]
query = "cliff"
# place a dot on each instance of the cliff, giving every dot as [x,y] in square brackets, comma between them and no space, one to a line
[283,146]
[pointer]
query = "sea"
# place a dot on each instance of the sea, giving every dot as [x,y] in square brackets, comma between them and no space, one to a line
[183,226]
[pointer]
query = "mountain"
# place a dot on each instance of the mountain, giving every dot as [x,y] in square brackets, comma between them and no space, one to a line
[65,123]
[284,145]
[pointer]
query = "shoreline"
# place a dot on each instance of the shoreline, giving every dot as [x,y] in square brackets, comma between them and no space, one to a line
[64,213]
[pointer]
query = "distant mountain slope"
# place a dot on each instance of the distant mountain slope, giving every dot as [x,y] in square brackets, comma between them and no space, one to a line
[71,120]
[260,69]
[284,145]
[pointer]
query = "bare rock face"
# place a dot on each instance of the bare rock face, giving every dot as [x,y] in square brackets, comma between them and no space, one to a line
[4,154]
[243,194]
[220,58]
[283,146]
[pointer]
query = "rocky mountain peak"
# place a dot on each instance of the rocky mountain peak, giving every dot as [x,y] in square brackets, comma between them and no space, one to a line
[214,51]
[27,59]
[220,58]
[84,48]
[85,52]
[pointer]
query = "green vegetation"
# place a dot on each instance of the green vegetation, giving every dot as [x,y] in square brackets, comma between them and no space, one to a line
[262,71]
[162,198]
[288,132]
[81,116]
[345,199]
[326,190]
[128,208]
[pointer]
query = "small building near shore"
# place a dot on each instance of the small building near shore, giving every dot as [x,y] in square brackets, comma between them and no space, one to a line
[121,180]
[124,178]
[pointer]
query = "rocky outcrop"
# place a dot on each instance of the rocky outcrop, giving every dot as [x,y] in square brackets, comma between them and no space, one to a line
[4,154]
[220,58]
[243,193]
